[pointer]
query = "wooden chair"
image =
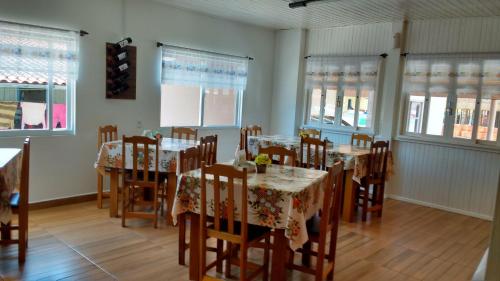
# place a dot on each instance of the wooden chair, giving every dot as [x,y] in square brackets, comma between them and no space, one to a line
[184,133]
[244,142]
[105,134]
[140,180]
[322,225]
[317,155]
[190,159]
[208,147]
[19,204]
[282,153]
[361,140]
[311,133]
[225,227]
[375,179]
[254,130]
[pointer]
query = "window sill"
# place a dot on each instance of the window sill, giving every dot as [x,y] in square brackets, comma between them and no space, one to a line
[35,133]
[449,143]
[340,131]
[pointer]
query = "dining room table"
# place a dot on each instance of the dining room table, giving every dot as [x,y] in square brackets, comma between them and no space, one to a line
[283,199]
[110,159]
[10,167]
[355,163]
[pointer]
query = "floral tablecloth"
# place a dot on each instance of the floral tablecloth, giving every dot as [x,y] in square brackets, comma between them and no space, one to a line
[284,198]
[110,155]
[9,180]
[355,158]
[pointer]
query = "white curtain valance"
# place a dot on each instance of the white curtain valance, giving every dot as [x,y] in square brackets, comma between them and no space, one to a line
[191,67]
[342,68]
[37,55]
[467,70]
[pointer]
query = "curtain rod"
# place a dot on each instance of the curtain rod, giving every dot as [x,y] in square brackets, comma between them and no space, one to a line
[384,55]
[159,44]
[452,54]
[82,32]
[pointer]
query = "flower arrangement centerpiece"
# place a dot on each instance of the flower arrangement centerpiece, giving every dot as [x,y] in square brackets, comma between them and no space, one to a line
[303,134]
[262,161]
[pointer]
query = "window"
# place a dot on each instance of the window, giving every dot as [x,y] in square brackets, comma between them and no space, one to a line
[38,72]
[453,96]
[341,92]
[201,88]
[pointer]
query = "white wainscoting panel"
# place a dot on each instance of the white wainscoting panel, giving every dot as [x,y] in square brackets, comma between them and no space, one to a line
[452,178]
[454,35]
[373,39]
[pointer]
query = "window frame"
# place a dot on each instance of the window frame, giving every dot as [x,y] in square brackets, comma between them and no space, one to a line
[340,86]
[49,131]
[450,112]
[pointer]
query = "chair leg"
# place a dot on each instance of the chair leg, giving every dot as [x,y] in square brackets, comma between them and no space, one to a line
[306,254]
[243,263]
[100,180]
[220,251]
[23,233]
[125,198]
[381,202]
[267,247]
[228,259]
[365,203]
[182,239]
[155,207]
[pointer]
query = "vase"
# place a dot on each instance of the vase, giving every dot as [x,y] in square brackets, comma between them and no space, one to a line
[261,169]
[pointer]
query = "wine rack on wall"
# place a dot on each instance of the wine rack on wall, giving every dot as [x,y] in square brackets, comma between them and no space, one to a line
[120,71]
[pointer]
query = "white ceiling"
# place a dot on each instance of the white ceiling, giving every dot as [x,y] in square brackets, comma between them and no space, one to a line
[330,13]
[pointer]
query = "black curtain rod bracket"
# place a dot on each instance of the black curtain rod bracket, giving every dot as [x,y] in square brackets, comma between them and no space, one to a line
[384,55]
[83,33]
[160,44]
[404,54]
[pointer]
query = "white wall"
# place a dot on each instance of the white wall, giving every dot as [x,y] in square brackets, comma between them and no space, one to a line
[287,90]
[63,166]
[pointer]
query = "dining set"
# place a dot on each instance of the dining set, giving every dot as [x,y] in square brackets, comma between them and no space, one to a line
[308,187]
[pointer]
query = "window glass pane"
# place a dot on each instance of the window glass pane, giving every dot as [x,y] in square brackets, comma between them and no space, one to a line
[180,105]
[416,106]
[23,107]
[365,111]
[330,106]
[59,108]
[437,109]
[464,113]
[489,115]
[315,103]
[348,106]
[219,107]
[468,73]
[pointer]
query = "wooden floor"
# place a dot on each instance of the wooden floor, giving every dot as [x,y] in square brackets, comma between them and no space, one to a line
[80,242]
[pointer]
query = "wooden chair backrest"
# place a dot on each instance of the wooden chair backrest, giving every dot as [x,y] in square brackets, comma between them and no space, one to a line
[254,130]
[224,207]
[319,156]
[189,159]
[281,152]
[208,146]
[184,133]
[105,134]
[244,141]
[330,212]
[377,162]
[140,157]
[312,133]
[25,177]
[361,140]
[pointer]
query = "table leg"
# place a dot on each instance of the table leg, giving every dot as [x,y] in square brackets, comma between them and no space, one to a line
[194,247]
[278,272]
[113,193]
[348,211]
[171,189]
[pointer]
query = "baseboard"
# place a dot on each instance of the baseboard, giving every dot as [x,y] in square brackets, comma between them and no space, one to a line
[440,207]
[63,201]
